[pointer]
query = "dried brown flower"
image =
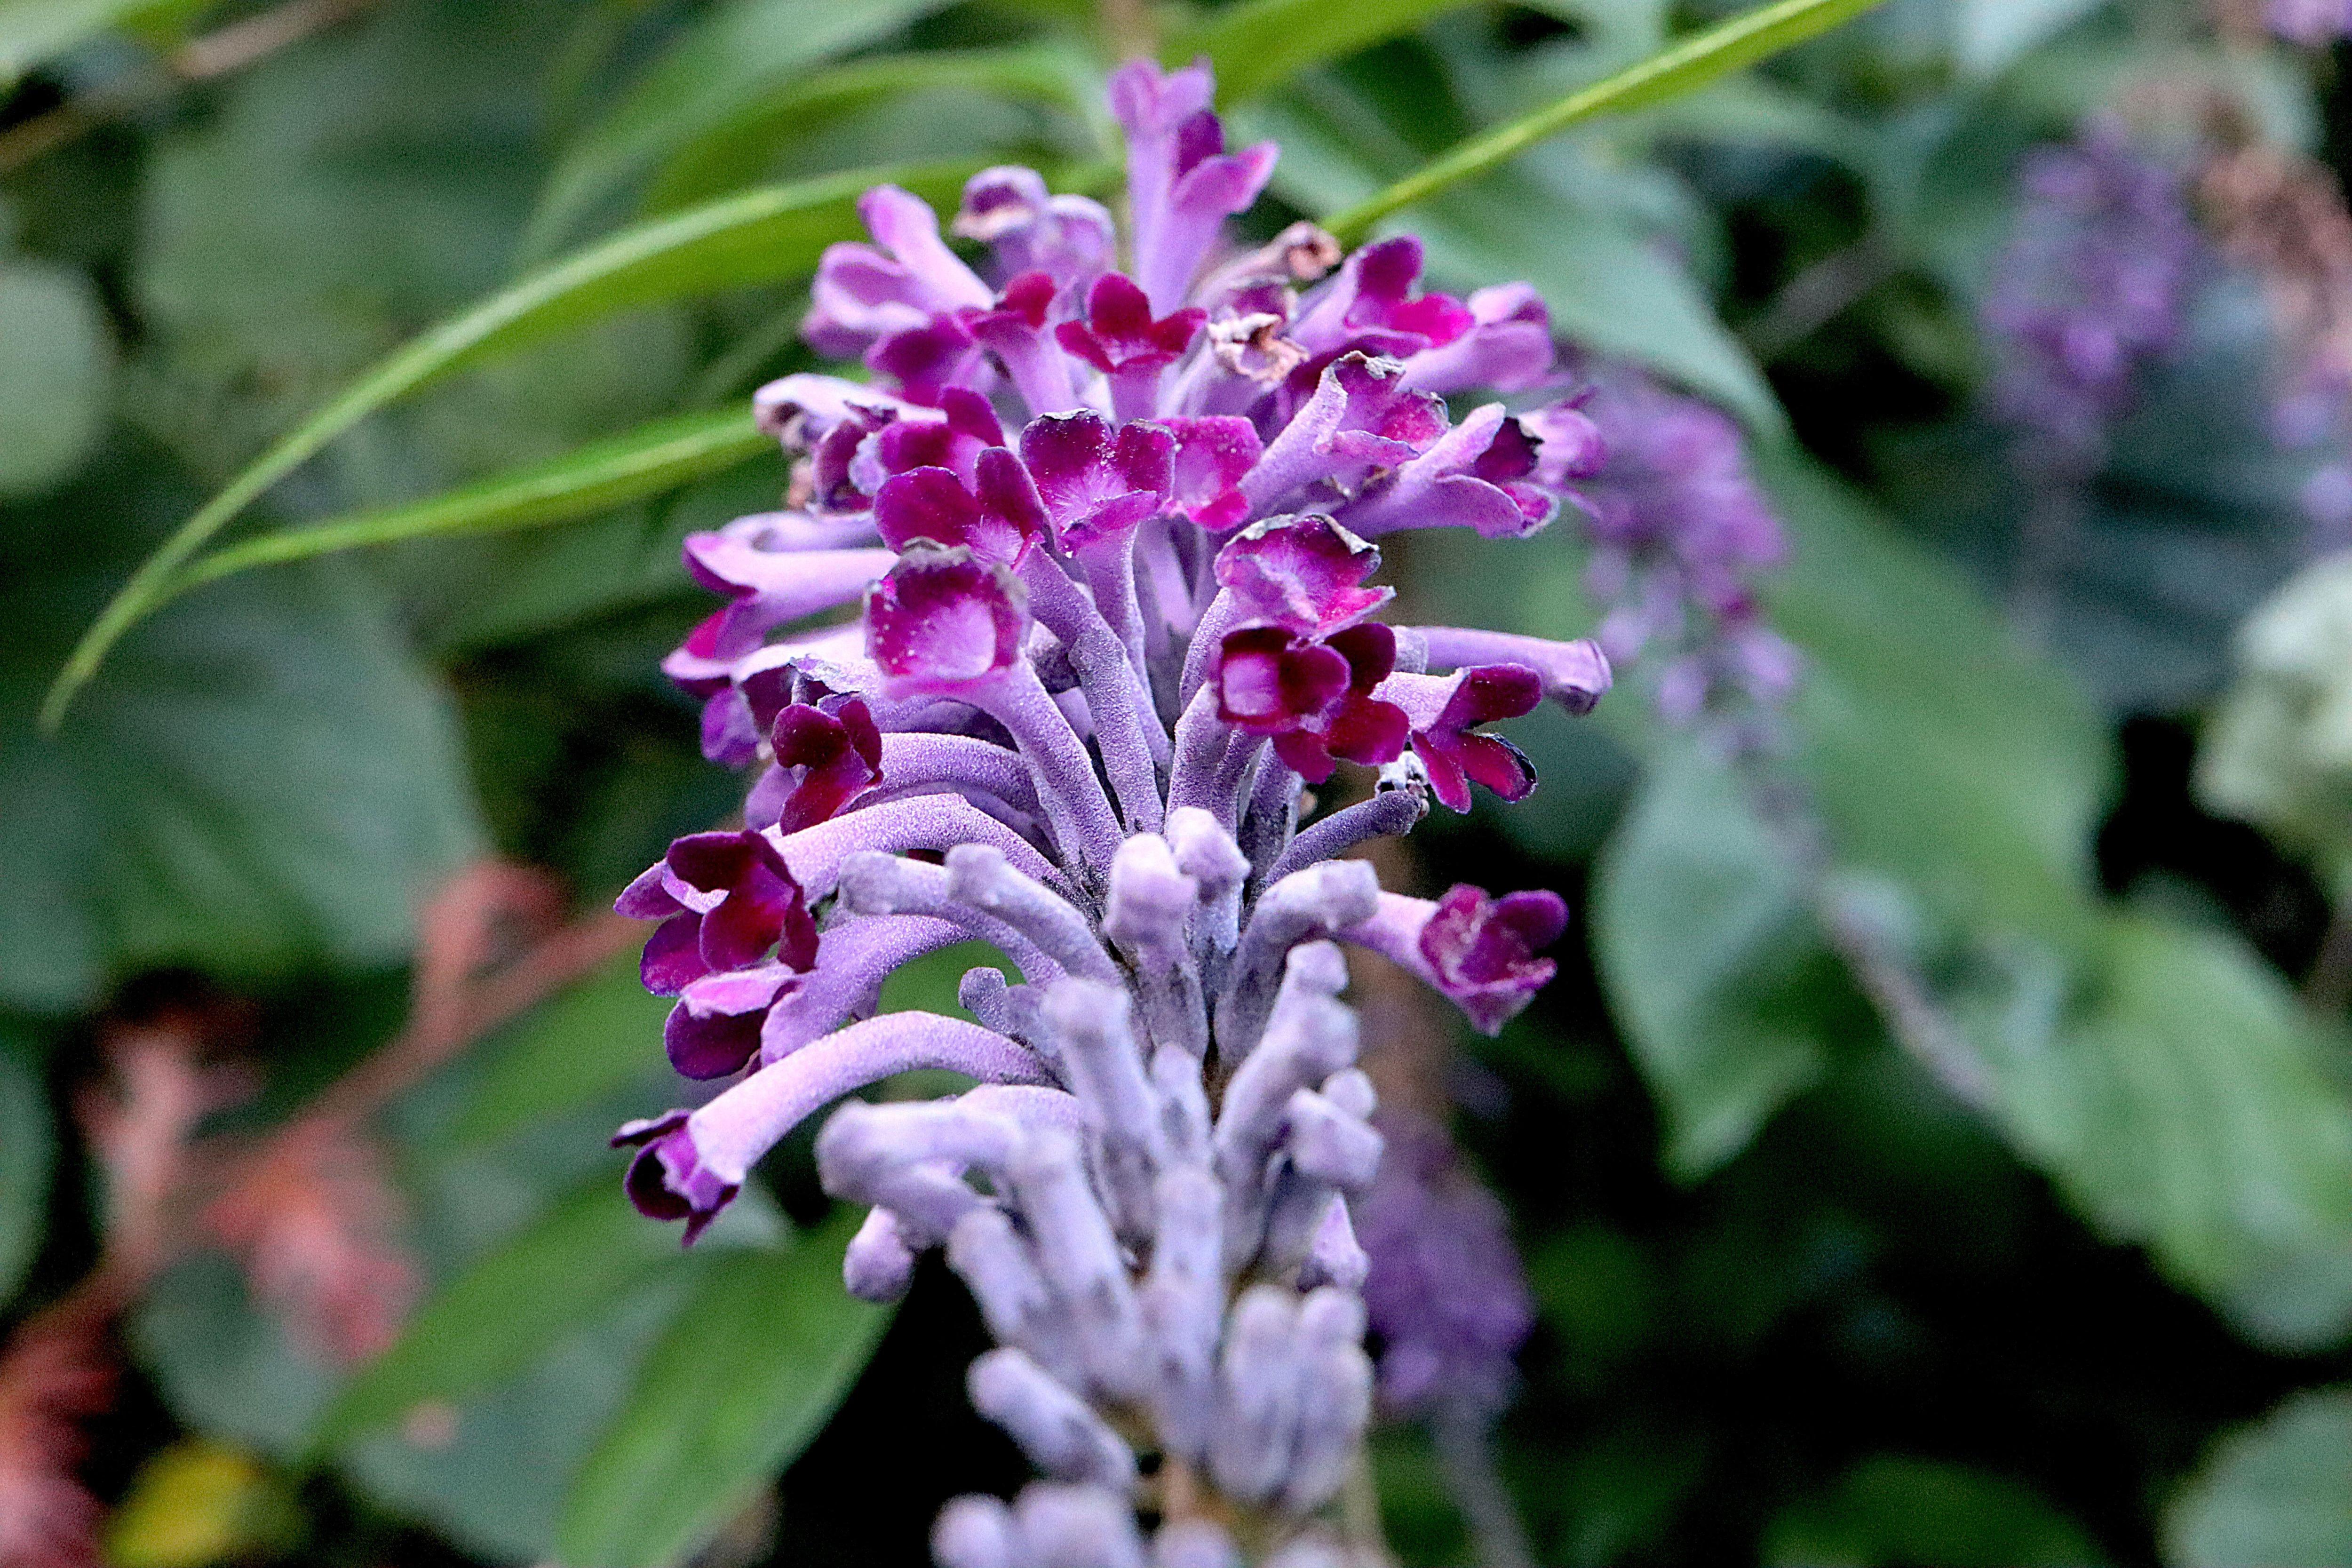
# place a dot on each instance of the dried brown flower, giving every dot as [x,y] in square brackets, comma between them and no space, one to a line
[57,1371]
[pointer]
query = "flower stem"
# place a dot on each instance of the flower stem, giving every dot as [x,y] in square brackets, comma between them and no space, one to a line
[1467,1458]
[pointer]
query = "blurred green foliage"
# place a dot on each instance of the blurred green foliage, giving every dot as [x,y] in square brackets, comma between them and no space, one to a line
[2047,1258]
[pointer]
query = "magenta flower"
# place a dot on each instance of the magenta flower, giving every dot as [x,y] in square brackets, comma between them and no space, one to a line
[1303,573]
[1483,950]
[1445,714]
[715,1028]
[1477,950]
[1315,698]
[1069,239]
[667,1180]
[943,619]
[1111,532]
[998,523]
[725,900]
[1120,337]
[825,755]
[1097,482]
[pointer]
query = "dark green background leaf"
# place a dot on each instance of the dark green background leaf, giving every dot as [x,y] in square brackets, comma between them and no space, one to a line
[54,365]
[2272,1493]
[746,1374]
[151,830]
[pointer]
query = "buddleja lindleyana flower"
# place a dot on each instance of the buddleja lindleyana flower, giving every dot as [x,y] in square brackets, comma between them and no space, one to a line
[1113,522]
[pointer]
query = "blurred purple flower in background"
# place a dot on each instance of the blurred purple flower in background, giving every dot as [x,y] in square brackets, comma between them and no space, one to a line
[1113,533]
[1448,1298]
[2314,24]
[1446,1293]
[2094,284]
[1680,531]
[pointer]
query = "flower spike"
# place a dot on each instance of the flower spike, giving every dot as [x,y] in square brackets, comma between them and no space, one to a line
[1115,534]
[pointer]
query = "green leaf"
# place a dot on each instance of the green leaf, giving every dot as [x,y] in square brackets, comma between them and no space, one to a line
[737,152]
[645,461]
[758,237]
[2272,1493]
[738,56]
[1707,947]
[1918,708]
[223,1366]
[146,833]
[33,32]
[1895,1509]
[2278,752]
[568,1053]
[1257,44]
[330,201]
[488,1467]
[2188,1111]
[1679,69]
[744,1378]
[54,364]
[501,1314]
[29,1152]
[490,1474]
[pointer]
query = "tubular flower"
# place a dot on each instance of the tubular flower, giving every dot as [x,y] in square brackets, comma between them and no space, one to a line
[1111,534]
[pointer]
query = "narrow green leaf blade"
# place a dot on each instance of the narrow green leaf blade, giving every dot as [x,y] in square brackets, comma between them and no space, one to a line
[744,51]
[744,1379]
[1692,63]
[645,462]
[1256,45]
[758,237]
[735,152]
[495,1318]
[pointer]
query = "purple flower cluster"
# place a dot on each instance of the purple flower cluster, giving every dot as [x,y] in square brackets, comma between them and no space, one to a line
[2094,284]
[1446,1292]
[1112,531]
[1679,529]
